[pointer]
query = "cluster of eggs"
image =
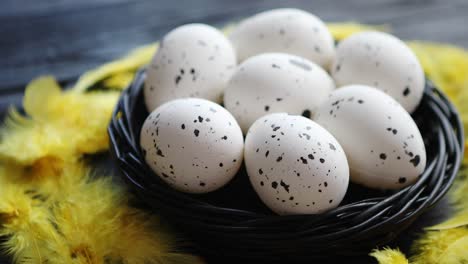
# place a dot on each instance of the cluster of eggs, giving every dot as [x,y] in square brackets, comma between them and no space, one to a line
[314,115]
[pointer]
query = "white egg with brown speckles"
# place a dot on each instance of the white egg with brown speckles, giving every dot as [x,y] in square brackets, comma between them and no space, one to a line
[276,82]
[383,61]
[194,145]
[383,144]
[285,30]
[295,165]
[193,60]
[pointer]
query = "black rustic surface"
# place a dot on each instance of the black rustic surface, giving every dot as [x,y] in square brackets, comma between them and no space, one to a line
[68,37]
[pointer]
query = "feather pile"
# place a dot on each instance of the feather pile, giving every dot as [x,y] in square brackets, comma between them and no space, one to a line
[52,210]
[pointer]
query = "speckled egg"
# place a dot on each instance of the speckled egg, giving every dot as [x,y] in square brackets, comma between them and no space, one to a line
[193,60]
[383,61]
[285,30]
[295,165]
[194,145]
[275,82]
[384,147]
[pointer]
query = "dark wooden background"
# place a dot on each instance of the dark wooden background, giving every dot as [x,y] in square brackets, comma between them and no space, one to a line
[68,37]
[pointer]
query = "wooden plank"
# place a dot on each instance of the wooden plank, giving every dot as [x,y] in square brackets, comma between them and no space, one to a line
[67,37]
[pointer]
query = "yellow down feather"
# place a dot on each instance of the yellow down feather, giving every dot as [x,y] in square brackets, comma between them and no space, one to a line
[389,256]
[98,225]
[111,72]
[80,218]
[24,220]
[88,113]
[58,127]
[441,246]
[340,31]
[25,141]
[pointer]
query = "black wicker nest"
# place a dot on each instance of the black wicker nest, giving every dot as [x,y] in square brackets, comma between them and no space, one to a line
[233,223]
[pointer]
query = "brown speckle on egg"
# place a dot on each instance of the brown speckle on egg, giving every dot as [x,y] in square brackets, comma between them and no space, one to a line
[415,161]
[304,161]
[285,186]
[306,113]
[407,91]
[274,185]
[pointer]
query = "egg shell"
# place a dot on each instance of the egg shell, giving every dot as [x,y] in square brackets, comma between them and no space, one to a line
[295,165]
[275,82]
[383,61]
[194,145]
[285,30]
[193,60]
[384,147]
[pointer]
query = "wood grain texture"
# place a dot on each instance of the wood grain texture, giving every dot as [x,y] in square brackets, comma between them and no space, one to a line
[67,37]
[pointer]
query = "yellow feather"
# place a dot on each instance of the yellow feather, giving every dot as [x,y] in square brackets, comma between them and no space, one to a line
[24,221]
[460,219]
[119,81]
[456,253]
[437,245]
[131,62]
[389,256]
[59,126]
[79,218]
[38,91]
[343,30]
[86,119]
[97,224]
[138,246]
[24,141]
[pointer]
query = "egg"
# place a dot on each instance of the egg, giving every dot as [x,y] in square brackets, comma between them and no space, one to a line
[275,82]
[285,30]
[384,147]
[193,60]
[194,145]
[383,61]
[295,165]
